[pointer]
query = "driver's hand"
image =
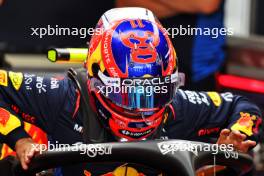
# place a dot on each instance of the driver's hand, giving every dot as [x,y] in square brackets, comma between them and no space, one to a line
[26,148]
[237,139]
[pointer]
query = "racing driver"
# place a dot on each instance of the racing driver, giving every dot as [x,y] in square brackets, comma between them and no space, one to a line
[128,89]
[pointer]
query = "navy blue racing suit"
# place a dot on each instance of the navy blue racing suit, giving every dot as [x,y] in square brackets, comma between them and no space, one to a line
[52,103]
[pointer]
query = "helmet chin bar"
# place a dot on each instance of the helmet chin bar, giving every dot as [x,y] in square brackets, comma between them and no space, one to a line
[154,134]
[129,128]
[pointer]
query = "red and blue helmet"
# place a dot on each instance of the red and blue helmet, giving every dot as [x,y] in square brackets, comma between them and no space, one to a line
[133,73]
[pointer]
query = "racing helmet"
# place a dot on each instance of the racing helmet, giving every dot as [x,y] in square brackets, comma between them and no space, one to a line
[132,73]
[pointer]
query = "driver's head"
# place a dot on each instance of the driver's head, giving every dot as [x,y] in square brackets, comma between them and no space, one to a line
[133,73]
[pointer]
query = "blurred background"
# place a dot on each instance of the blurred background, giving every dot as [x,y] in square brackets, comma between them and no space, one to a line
[226,63]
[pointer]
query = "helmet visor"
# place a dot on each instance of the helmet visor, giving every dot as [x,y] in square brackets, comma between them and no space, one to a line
[143,94]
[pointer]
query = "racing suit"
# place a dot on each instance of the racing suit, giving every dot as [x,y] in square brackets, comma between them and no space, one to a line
[52,102]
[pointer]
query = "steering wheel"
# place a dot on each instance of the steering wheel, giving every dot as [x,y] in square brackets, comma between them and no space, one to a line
[168,156]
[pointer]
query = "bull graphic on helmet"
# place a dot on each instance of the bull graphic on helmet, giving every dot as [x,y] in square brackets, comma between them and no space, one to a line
[143,48]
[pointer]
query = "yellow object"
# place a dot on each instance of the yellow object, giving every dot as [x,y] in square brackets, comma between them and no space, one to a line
[16,79]
[245,123]
[165,117]
[209,170]
[175,55]
[215,97]
[95,57]
[78,55]
[12,123]
[52,55]
[3,78]
[124,170]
